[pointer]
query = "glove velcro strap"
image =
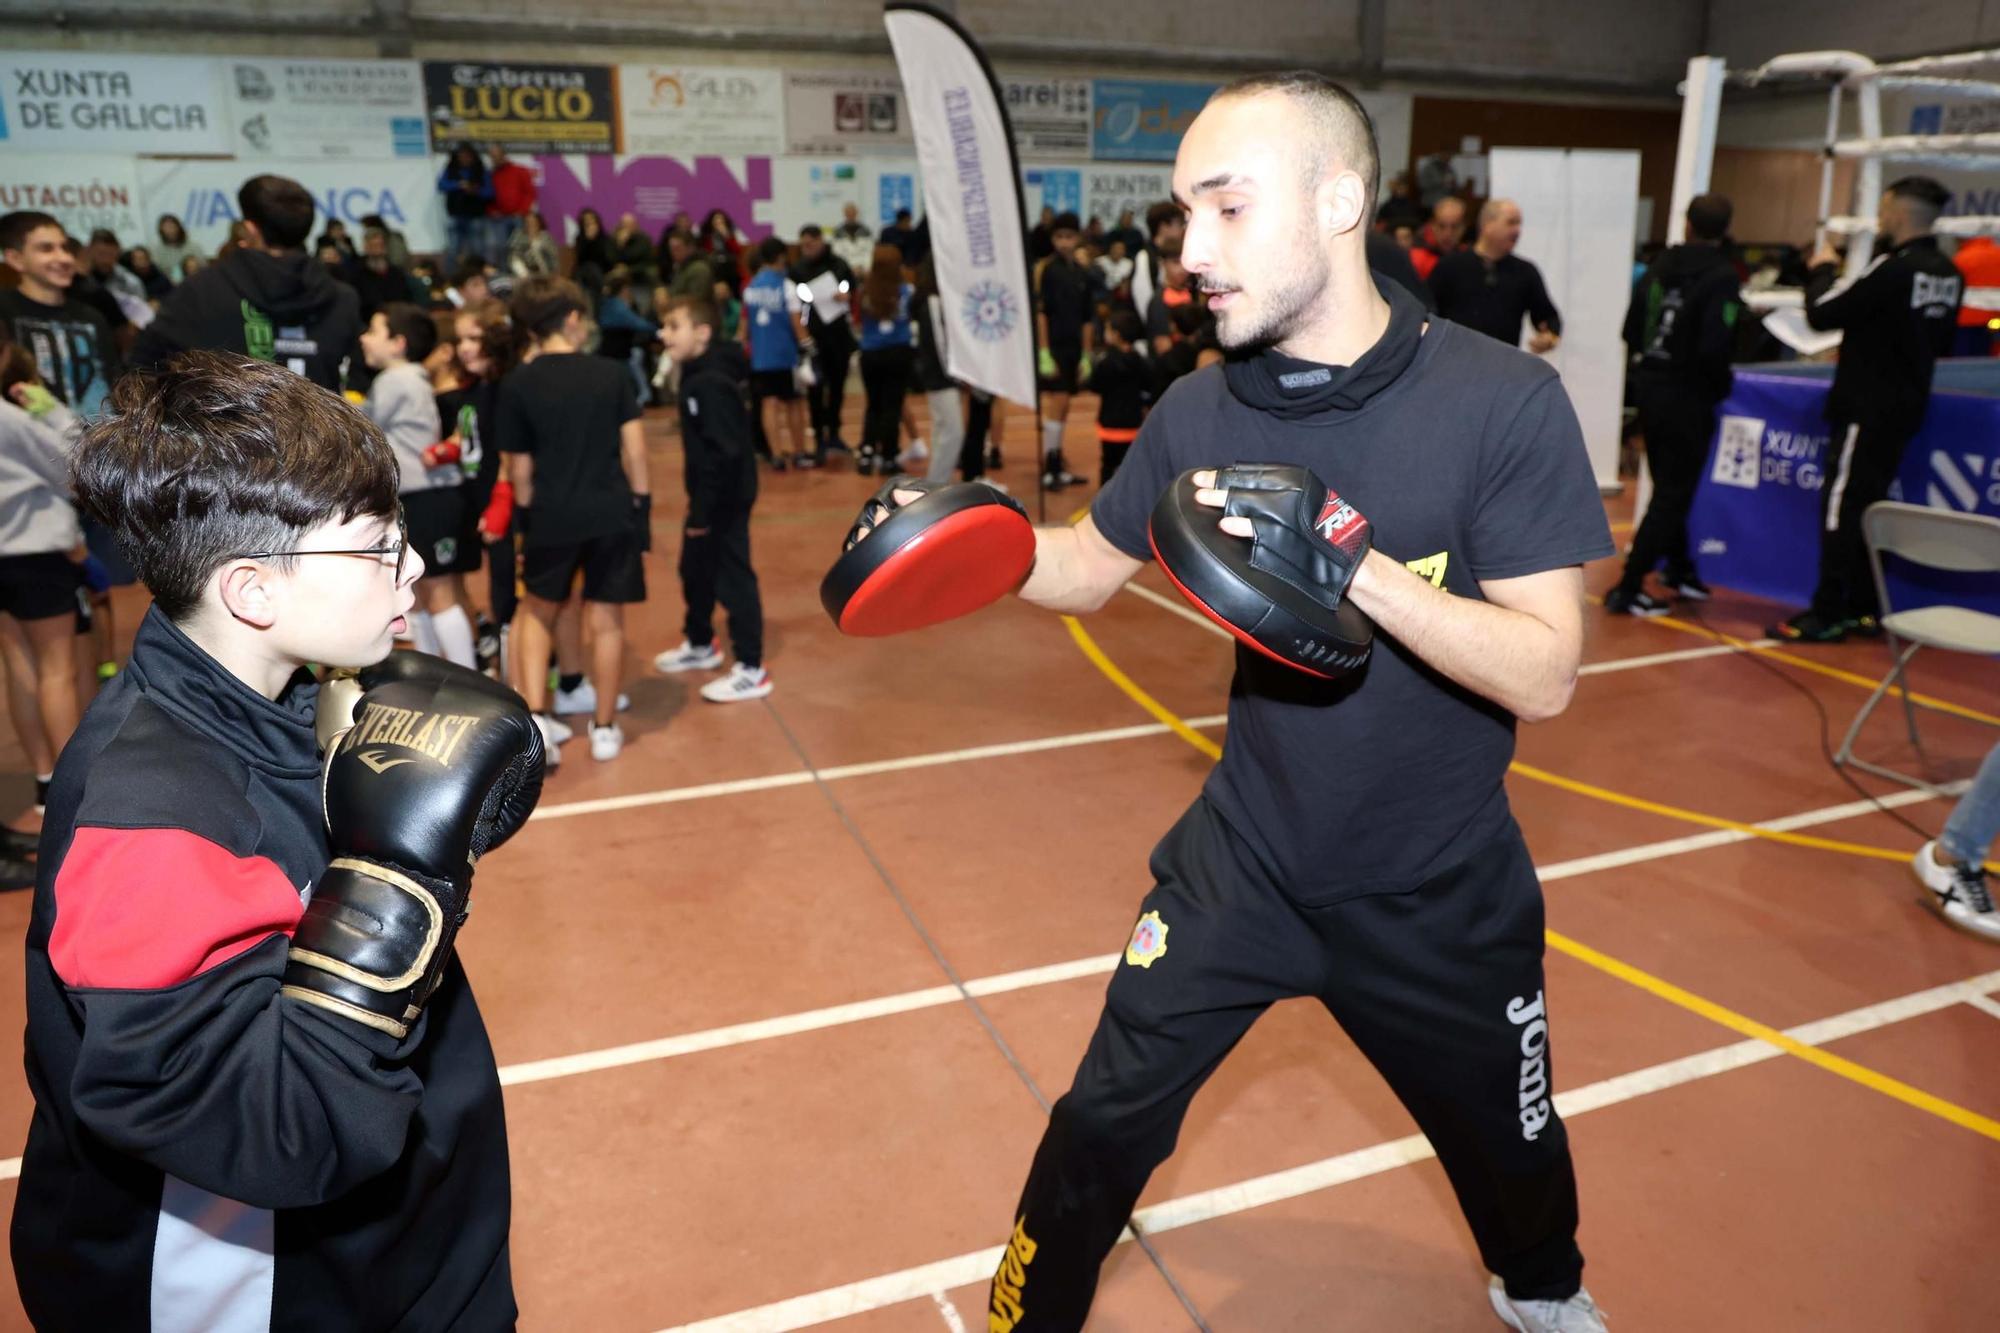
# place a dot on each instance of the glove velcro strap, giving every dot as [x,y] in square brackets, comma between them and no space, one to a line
[369,946]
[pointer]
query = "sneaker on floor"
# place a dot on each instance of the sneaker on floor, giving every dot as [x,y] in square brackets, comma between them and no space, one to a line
[806,462]
[687,657]
[993,457]
[606,742]
[583,699]
[742,683]
[1641,603]
[916,453]
[554,733]
[1863,627]
[1807,627]
[1578,1314]
[1958,893]
[1690,586]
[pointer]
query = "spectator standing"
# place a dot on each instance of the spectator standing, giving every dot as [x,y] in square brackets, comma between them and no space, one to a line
[1123,383]
[531,253]
[826,286]
[399,244]
[468,193]
[514,196]
[887,354]
[724,244]
[171,246]
[592,256]
[1062,320]
[375,280]
[853,240]
[70,340]
[1491,289]
[774,331]
[1441,236]
[688,272]
[933,379]
[623,333]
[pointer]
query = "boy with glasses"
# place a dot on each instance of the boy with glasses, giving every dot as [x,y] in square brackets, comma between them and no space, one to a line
[264,1096]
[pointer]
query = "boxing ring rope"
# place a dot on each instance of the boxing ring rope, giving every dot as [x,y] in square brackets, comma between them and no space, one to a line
[1845,73]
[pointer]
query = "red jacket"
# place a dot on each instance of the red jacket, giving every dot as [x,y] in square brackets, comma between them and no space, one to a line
[513,191]
[1978,258]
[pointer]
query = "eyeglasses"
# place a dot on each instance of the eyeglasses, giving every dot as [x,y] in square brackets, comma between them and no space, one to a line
[399,550]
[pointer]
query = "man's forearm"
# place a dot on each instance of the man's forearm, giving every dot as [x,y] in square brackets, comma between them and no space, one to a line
[1062,579]
[1507,656]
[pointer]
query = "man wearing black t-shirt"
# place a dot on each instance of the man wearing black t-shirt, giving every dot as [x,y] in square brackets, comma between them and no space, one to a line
[1355,843]
[1490,288]
[570,426]
[1062,327]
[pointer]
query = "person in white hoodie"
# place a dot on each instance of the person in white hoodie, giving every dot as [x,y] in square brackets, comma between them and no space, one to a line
[401,404]
[40,579]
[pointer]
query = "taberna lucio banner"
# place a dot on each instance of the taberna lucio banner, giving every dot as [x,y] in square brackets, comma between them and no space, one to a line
[972,199]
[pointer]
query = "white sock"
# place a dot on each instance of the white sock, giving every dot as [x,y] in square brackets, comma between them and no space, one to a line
[424,634]
[454,636]
[1052,432]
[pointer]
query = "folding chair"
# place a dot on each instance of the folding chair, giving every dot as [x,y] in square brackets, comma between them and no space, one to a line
[1938,539]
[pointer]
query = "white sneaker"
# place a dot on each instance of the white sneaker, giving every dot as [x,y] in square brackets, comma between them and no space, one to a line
[740,684]
[1578,1314]
[554,734]
[1958,893]
[583,699]
[687,657]
[606,742]
[916,453]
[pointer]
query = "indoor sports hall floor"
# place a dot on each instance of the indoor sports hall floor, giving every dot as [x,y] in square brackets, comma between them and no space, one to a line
[780,995]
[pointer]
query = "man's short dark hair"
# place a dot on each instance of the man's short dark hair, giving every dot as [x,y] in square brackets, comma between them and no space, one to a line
[542,304]
[1337,125]
[1064,222]
[104,236]
[413,324]
[1160,215]
[772,251]
[902,215]
[811,229]
[1927,194]
[1129,326]
[700,311]
[471,268]
[1708,216]
[281,207]
[15,227]
[215,455]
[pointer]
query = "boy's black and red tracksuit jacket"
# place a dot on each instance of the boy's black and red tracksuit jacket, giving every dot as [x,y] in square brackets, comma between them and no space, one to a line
[207,1154]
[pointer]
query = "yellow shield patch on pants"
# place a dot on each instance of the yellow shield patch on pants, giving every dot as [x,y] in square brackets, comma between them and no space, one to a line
[1149,941]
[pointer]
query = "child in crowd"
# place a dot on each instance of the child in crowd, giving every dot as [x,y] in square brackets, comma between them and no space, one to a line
[721,464]
[570,424]
[399,338]
[483,344]
[623,333]
[775,333]
[887,354]
[1123,383]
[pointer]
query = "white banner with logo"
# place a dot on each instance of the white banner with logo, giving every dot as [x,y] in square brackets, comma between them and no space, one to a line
[1109,191]
[1051,117]
[83,192]
[839,115]
[330,109]
[702,110]
[65,101]
[972,198]
[203,195]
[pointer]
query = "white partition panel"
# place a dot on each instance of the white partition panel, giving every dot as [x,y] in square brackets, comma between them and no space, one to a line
[1578,210]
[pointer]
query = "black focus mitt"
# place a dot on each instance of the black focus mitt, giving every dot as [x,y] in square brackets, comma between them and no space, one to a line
[1282,591]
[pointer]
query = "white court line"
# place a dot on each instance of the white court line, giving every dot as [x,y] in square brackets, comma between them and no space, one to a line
[952,1320]
[1985,1005]
[968,1269]
[674,795]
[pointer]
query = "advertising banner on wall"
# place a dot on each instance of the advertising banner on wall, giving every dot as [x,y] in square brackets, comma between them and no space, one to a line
[1051,117]
[524,108]
[203,195]
[1060,188]
[1112,190]
[839,115]
[325,108]
[81,192]
[654,189]
[87,103]
[698,110]
[1142,120]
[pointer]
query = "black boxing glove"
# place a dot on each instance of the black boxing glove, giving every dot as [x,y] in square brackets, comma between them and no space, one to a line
[340,702]
[425,781]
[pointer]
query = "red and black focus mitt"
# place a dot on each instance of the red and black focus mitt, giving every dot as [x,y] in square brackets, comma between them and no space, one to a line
[906,565]
[1283,590]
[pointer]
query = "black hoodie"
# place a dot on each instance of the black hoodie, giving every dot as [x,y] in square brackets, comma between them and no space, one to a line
[1466,458]
[1682,320]
[717,441]
[285,308]
[1898,316]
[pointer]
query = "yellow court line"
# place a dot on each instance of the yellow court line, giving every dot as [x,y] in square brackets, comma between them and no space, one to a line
[1603,962]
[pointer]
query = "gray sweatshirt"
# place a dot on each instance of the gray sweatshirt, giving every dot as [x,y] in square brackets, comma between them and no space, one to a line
[401,404]
[35,511]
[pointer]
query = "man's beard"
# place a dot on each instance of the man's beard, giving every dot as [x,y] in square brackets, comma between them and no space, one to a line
[1281,313]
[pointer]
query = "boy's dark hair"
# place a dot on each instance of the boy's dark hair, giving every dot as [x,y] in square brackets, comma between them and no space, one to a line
[1127,325]
[1159,215]
[17,366]
[772,251]
[618,281]
[543,303]
[15,226]
[811,229]
[1065,222]
[1708,216]
[1187,318]
[1170,249]
[281,207]
[216,455]
[414,325]
[474,267]
[700,311]
[104,236]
